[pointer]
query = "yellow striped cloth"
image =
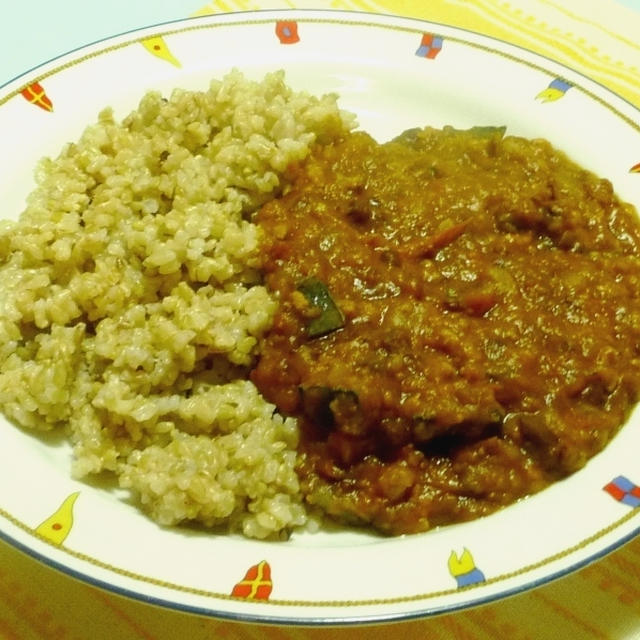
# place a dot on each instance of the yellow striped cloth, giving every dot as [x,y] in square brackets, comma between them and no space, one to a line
[597,37]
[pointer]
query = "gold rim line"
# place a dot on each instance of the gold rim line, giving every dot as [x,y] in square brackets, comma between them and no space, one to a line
[354,23]
[312,603]
[327,603]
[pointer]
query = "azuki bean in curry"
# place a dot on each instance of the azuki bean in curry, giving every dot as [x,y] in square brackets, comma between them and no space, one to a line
[487,322]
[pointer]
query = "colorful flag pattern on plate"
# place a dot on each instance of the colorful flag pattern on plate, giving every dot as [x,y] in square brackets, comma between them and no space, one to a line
[57,526]
[256,584]
[556,89]
[287,31]
[158,47]
[463,569]
[430,46]
[625,491]
[37,96]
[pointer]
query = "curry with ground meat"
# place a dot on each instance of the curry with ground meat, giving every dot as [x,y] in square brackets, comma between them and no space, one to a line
[459,322]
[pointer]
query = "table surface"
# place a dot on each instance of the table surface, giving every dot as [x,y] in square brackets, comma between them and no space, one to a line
[600,601]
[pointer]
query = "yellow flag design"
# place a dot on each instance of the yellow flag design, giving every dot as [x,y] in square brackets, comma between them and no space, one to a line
[57,526]
[158,47]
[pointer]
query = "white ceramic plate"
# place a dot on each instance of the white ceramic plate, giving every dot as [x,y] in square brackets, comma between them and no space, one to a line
[393,73]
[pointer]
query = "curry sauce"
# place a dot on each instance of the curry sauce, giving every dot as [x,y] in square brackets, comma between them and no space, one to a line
[458,324]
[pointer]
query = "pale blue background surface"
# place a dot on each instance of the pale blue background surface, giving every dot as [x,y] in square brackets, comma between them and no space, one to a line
[32,32]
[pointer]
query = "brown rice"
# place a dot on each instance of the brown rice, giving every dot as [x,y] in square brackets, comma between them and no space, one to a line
[132,304]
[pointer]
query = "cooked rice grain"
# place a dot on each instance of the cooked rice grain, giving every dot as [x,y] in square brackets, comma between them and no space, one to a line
[131,304]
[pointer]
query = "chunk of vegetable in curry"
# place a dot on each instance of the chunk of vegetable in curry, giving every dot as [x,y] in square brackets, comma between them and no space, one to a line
[328,317]
[467,330]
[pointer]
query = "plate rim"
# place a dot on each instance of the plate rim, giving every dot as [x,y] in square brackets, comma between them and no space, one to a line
[359,18]
[375,19]
[304,621]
